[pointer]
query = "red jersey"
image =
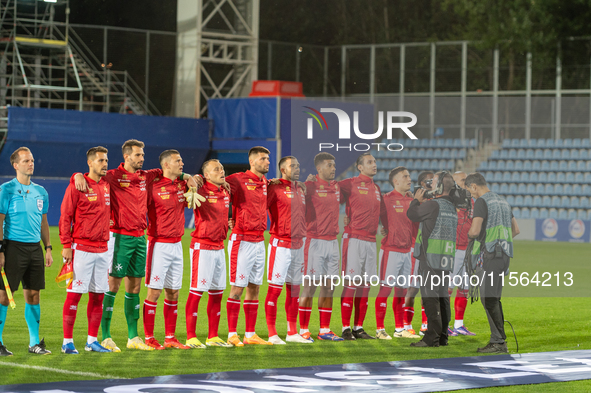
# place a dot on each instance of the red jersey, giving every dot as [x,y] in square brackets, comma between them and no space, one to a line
[363,198]
[393,216]
[464,224]
[166,210]
[287,209]
[249,205]
[322,209]
[90,213]
[211,218]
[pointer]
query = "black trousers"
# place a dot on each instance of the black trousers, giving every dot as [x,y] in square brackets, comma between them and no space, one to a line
[491,289]
[436,302]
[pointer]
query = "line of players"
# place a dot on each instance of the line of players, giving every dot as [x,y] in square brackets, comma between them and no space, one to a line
[304,228]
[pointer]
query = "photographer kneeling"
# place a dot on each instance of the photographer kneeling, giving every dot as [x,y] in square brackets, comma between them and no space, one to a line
[493,229]
[435,250]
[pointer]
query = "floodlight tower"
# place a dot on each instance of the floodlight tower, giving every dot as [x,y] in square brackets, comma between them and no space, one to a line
[217,52]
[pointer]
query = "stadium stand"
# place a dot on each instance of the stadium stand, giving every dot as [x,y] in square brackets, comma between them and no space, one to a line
[543,178]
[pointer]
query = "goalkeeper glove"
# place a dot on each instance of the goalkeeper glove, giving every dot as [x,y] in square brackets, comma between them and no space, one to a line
[193,198]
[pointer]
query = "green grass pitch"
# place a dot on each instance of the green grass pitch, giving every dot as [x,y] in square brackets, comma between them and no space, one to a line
[542,324]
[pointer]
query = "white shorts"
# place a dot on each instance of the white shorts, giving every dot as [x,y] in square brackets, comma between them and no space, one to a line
[164,266]
[414,268]
[208,269]
[359,259]
[458,273]
[247,262]
[394,268]
[321,257]
[284,264]
[111,250]
[91,271]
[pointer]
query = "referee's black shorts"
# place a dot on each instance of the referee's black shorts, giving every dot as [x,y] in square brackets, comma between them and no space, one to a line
[24,263]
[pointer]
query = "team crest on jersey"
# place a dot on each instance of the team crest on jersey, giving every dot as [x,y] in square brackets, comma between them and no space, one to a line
[179,186]
[141,177]
[163,189]
[106,188]
[124,176]
[362,184]
[321,187]
[40,204]
[90,190]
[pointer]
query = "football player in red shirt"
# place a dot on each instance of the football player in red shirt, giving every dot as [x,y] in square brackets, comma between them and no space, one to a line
[208,258]
[321,248]
[459,273]
[394,260]
[84,233]
[164,264]
[287,210]
[363,199]
[246,247]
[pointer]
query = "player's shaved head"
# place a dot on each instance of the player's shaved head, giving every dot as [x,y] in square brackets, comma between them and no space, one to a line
[206,167]
[166,154]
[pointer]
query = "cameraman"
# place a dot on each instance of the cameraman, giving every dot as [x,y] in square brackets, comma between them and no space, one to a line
[493,229]
[435,249]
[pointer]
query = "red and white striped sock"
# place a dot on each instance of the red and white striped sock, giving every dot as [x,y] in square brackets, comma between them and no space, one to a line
[69,314]
[214,306]
[271,308]
[149,318]
[232,311]
[170,317]
[191,311]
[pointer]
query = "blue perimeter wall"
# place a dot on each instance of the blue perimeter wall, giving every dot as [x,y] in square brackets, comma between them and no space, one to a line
[59,140]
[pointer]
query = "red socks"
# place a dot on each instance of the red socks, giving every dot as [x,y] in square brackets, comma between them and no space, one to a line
[271,308]
[170,316]
[460,304]
[382,306]
[232,310]
[409,313]
[305,314]
[191,313]
[94,312]
[424,316]
[291,307]
[397,307]
[214,306]
[251,308]
[361,305]
[149,318]
[347,305]
[325,314]
[69,313]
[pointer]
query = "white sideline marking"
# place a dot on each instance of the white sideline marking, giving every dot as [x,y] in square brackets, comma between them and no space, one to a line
[57,370]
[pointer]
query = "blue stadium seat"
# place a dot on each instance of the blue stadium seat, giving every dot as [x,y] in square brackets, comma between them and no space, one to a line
[567,142]
[579,178]
[500,165]
[586,190]
[435,165]
[527,166]
[579,165]
[506,142]
[533,177]
[574,154]
[545,165]
[495,154]
[558,143]
[414,175]
[425,165]
[564,166]
[552,177]
[511,201]
[440,142]
[582,214]
[549,189]
[517,213]
[584,202]
[483,166]
[587,177]
[489,176]
[552,213]
[522,189]
[541,143]
[558,189]
[547,201]
[562,214]
[589,165]
[504,189]
[524,177]
[583,154]
[495,188]
[530,154]
[556,154]
[536,166]
[539,155]
[462,154]
[509,165]
[550,143]
[521,154]
[436,153]
[554,165]
[515,143]
[531,189]
[457,142]
[576,142]
[572,214]
[512,154]
[498,177]
[555,202]
[547,154]
[537,201]
[574,202]
[568,190]
[565,202]
[518,165]
[504,154]
[543,213]
[515,177]
[534,213]
[513,188]
[565,154]
[570,177]
[585,142]
[425,142]
[524,212]
[528,201]
[507,176]
[449,142]
[542,177]
[492,165]
[577,189]
[540,189]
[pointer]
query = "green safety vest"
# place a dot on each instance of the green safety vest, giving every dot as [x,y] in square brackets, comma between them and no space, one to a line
[441,247]
[498,226]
